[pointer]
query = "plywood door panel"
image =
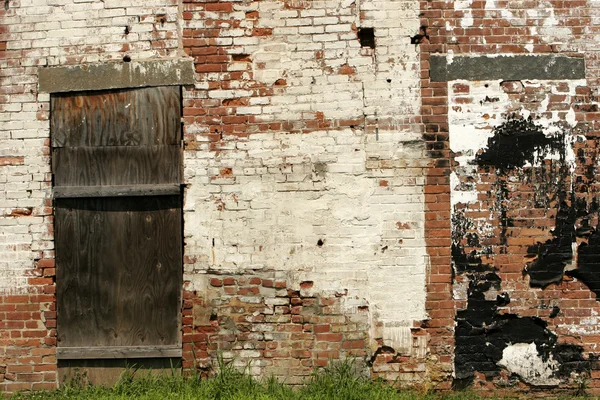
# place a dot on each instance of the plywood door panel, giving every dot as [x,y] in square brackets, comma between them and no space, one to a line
[116,165]
[132,117]
[118,271]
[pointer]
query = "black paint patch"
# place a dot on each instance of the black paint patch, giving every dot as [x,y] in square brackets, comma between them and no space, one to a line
[502,206]
[588,263]
[464,262]
[482,334]
[516,142]
[553,256]
[366,37]
[502,299]
[460,226]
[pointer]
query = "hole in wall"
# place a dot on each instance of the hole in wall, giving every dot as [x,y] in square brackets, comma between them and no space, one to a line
[366,36]
[320,242]
[161,19]
[241,57]
[127,30]
[127,58]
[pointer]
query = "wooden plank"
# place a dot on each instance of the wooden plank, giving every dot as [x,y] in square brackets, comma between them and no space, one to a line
[82,353]
[131,117]
[116,165]
[116,191]
[119,274]
[108,371]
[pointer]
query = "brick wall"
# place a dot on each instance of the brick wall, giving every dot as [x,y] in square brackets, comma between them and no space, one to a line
[38,34]
[301,143]
[338,201]
[523,216]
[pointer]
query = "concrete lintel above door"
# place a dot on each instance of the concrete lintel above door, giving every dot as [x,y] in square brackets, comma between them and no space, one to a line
[116,75]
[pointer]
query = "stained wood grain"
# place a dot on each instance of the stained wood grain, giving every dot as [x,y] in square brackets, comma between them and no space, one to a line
[116,165]
[131,117]
[116,191]
[118,271]
[83,353]
[108,371]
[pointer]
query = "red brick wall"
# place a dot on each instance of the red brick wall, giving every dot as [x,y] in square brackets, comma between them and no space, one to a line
[28,334]
[529,197]
[370,114]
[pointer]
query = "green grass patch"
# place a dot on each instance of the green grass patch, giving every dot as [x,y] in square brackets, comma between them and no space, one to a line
[340,381]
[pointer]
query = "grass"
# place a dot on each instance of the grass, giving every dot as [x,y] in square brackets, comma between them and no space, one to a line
[337,382]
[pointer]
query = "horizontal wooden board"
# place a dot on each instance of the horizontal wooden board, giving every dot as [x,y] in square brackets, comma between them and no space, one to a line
[118,271]
[131,117]
[116,191]
[107,371]
[82,353]
[116,165]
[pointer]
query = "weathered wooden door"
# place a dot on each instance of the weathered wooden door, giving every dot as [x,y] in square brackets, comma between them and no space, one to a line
[117,161]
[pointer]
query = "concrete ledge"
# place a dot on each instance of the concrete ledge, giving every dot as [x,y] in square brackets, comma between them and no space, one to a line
[132,74]
[516,67]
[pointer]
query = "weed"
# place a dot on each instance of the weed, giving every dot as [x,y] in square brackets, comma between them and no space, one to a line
[341,380]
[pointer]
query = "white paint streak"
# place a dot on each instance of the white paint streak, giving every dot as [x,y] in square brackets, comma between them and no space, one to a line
[524,360]
[277,207]
[471,124]
[460,195]
[399,338]
[465,6]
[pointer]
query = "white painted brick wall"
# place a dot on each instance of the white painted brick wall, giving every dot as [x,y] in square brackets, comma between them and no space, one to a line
[43,33]
[288,191]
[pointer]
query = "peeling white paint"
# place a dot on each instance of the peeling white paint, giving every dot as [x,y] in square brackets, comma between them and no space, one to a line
[471,125]
[460,195]
[465,6]
[273,217]
[398,338]
[450,57]
[524,360]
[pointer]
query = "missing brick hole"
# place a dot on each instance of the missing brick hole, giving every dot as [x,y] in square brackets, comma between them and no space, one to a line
[6,4]
[161,18]
[366,36]
[320,243]
[241,57]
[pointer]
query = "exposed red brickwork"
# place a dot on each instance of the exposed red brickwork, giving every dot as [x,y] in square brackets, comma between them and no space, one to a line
[255,321]
[304,146]
[440,304]
[28,334]
[499,27]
